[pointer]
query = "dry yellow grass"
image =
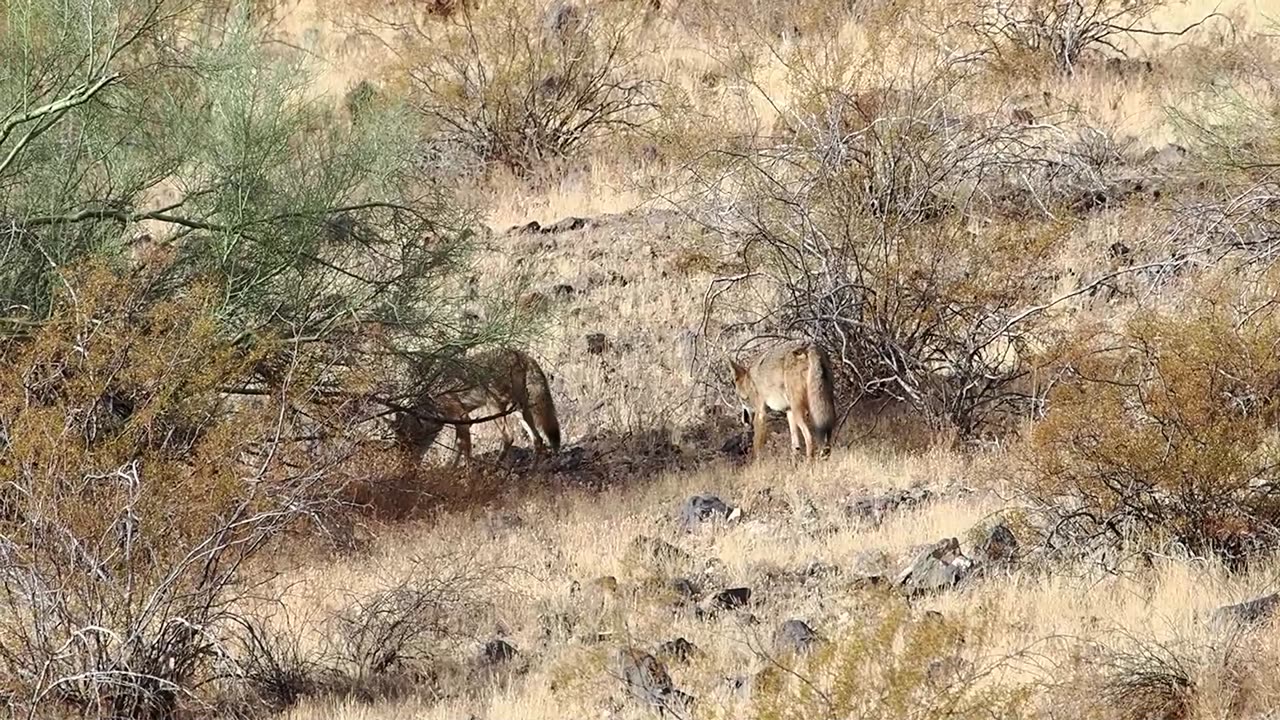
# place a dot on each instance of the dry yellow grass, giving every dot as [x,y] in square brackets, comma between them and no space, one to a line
[629,284]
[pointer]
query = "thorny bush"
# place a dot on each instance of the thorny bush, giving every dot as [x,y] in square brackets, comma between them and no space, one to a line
[521,85]
[1165,428]
[133,499]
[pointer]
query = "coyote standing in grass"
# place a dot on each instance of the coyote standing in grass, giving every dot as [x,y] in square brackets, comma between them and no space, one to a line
[498,383]
[795,378]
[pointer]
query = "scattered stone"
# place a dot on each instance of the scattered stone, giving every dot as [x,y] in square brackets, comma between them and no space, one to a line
[731,599]
[794,636]
[530,228]
[597,343]
[875,509]
[1165,158]
[568,224]
[997,547]
[820,570]
[701,508]
[1250,612]
[498,652]
[679,650]
[940,566]
[685,589]
[646,679]
[736,445]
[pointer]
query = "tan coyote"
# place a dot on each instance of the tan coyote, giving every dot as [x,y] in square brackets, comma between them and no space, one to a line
[497,383]
[795,378]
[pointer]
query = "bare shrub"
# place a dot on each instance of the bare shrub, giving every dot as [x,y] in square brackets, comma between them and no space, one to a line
[1060,30]
[1163,429]
[133,503]
[401,630]
[522,87]
[862,228]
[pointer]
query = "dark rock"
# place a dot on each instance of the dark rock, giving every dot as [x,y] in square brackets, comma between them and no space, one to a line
[497,652]
[679,650]
[685,589]
[597,343]
[568,224]
[997,547]
[736,445]
[794,636]
[701,508]
[529,228]
[938,567]
[1118,250]
[1250,612]
[875,509]
[646,679]
[731,599]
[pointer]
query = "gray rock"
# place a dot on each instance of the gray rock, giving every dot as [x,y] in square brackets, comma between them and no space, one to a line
[685,589]
[679,650]
[568,224]
[874,509]
[646,680]
[1250,612]
[701,508]
[794,636]
[997,547]
[731,599]
[938,567]
[498,652]
[597,343]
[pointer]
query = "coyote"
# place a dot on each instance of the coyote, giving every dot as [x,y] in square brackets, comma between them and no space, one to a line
[497,383]
[795,378]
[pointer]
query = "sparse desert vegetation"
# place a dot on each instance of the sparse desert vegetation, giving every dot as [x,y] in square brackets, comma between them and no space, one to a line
[245,241]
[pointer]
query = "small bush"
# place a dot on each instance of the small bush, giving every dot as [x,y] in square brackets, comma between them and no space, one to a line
[1165,429]
[134,502]
[523,87]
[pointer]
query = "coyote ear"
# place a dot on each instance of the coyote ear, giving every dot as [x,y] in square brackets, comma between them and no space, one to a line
[738,370]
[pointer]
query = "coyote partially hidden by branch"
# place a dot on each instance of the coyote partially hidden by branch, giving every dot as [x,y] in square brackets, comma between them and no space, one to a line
[794,378]
[498,383]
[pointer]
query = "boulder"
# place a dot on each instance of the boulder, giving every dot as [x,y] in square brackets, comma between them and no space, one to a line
[938,567]
[498,652]
[679,650]
[1250,612]
[998,546]
[794,637]
[873,509]
[597,343]
[702,508]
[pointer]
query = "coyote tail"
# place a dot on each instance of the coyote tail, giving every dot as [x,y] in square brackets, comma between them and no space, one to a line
[822,405]
[542,407]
